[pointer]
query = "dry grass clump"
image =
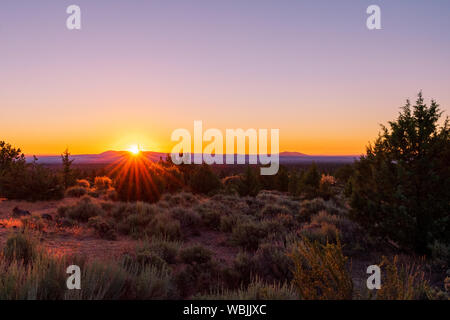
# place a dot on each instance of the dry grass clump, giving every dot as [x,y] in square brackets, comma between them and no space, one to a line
[256,290]
[402,281]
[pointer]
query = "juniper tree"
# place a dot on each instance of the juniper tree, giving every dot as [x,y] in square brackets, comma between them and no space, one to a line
[67,171]
[400,188]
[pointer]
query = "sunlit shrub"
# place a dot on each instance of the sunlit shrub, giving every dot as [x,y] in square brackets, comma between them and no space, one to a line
[83,183]
[320,271]
[102,183]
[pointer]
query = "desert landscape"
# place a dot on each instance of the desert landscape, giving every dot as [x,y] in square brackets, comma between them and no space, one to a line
[151,229]
[207,158]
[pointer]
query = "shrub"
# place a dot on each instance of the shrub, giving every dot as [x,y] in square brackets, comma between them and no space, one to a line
[187,217]
[244,265]
[135,225]
[320,271]
[195,255]
[76,191]
[103,280]
[165,248]
[103,227]
[272,263]
[248,235]
[326,186]
[153,283]
[82,211]
[123,210]
[271,210]
[323,232]
[227,223]
[164,225]
[210,217]
[102,183]
[83,183]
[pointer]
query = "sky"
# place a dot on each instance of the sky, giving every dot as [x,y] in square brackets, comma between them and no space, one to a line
[138,70]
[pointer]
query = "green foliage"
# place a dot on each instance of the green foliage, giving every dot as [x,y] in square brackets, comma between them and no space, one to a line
[67,171]
[249,184]
[310,182]
[401,181]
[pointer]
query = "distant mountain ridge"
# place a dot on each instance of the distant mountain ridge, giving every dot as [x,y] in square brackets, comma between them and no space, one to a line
[108,157]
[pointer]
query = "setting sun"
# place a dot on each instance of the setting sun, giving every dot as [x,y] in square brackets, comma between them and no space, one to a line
[134,149]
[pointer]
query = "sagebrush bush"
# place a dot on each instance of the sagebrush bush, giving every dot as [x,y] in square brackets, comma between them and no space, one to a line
[163,225]
[320,271]
[188,218]
[271,210]
[103,227]
[165,248]
[248,235]
[272,263]
[82,211]
[76,191]
[183,199]
[195,255]
[210,216]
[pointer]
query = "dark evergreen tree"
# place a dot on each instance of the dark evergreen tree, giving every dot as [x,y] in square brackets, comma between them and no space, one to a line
[68,176]
[310,181]
[204,180]
[400,187]
[249,184]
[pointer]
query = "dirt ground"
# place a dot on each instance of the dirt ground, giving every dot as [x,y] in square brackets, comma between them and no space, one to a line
[84,241]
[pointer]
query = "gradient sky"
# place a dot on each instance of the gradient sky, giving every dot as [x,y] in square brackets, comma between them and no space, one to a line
[140,69]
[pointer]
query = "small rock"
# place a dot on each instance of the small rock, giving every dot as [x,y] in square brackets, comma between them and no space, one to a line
[17,213]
